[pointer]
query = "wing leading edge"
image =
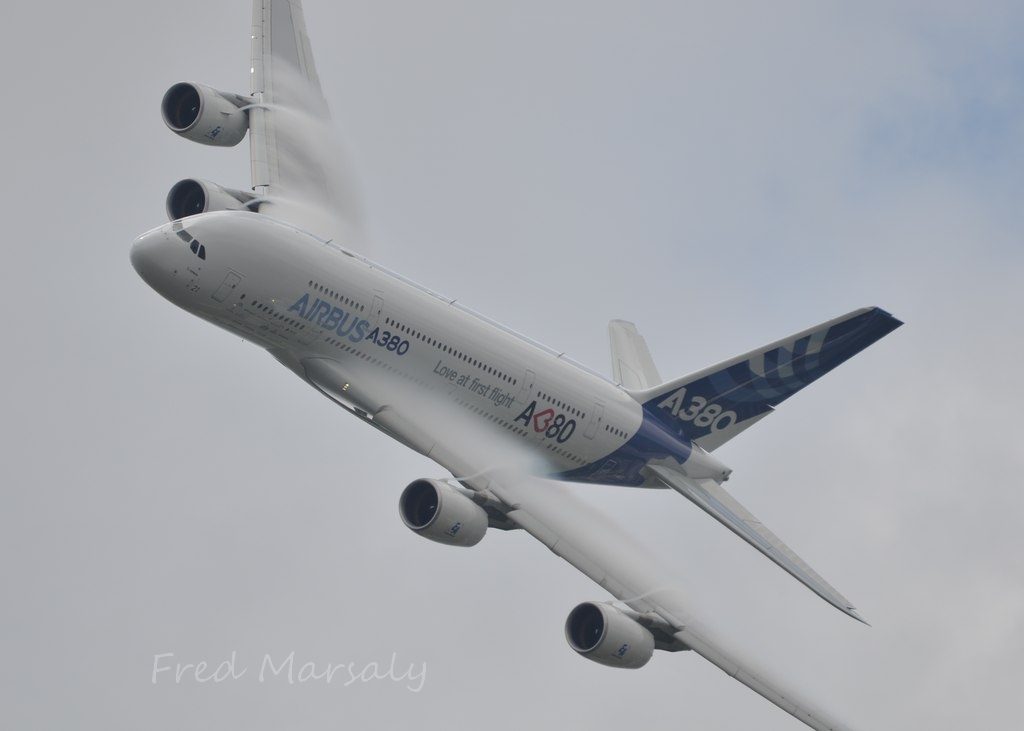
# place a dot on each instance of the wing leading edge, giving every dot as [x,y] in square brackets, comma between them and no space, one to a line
[299,168]
[281,57]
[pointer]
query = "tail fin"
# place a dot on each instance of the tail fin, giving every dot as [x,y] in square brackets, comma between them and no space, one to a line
[712,406]
[632,365]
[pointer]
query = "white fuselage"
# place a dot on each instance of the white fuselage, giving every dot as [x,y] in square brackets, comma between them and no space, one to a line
[307,300]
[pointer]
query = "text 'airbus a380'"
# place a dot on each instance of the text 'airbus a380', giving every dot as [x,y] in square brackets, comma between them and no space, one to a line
[265,266]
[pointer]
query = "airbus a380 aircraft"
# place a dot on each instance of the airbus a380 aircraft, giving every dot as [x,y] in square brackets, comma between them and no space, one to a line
[260,265]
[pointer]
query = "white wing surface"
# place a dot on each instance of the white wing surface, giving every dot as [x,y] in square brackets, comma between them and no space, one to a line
[283,75]
[723,507]
[298,166]
[593,544]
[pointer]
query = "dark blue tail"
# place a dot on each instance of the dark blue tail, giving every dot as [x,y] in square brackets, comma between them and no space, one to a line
[713,405]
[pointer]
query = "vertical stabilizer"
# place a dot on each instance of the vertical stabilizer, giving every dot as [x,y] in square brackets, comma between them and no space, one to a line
[712,406]
[632,365]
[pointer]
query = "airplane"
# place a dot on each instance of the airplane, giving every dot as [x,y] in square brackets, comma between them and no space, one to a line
[511,420]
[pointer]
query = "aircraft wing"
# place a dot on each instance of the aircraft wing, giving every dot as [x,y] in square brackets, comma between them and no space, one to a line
[712,498]
[588,541]
[283,76]
[297,170]
[592,543]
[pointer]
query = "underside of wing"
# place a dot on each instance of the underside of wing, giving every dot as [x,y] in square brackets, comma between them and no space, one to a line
[596,546]
[298,167]
[713,499]
[283,76]
[589,541]
[757,680]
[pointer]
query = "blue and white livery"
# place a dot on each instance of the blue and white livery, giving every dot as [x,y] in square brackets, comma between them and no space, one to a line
[265,264]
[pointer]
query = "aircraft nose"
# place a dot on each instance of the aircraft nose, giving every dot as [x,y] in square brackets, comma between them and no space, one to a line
[143,249]
[146,254]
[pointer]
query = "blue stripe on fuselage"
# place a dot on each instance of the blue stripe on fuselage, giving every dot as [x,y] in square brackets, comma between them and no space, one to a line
[622,467]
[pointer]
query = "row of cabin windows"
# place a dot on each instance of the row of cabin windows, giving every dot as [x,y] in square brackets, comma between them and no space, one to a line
[472,407]
[612,430]
[367,357]
[521,432]
[340,298]
[433,342]
[562,405]
[496,419]
[565,453]
[272,311]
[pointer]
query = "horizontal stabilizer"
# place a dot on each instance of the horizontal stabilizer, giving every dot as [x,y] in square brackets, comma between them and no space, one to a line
[713,499]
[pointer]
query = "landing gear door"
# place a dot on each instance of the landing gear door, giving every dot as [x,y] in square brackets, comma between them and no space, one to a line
[596,420]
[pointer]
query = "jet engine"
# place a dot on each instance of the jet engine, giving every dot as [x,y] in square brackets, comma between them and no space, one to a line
[442,513]
[601,633]
[205,115]
[191,196]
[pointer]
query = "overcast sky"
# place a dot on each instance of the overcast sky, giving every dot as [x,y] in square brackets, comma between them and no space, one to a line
[723,174]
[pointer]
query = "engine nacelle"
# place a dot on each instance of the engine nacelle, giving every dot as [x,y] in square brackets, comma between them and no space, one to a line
[191,196]
[603,634]
[205,115]
[438,511]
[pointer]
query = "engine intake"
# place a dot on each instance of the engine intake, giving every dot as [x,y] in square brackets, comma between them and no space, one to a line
[205,115]
[438,511]
[191,196]
[605,635]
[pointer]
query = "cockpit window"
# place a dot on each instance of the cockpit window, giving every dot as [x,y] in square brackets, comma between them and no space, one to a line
[193,243]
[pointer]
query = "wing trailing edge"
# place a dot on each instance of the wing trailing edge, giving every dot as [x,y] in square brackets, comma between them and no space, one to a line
[713,499]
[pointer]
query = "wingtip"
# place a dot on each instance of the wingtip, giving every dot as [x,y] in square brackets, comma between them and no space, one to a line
[894,321]
[852,612]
